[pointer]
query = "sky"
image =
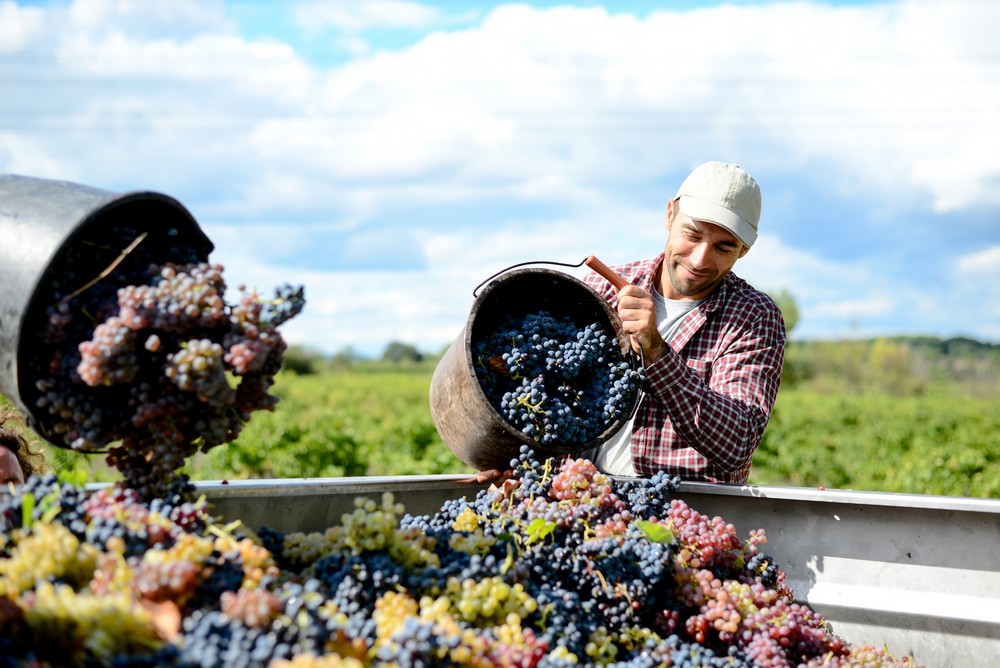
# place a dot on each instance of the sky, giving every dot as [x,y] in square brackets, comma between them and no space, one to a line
[391,155]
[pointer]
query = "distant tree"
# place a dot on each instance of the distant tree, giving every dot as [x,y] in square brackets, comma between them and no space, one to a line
[789,308]
[397,352]
[891,368]
[344,357]
[793,371]
[346,354]
[301,360]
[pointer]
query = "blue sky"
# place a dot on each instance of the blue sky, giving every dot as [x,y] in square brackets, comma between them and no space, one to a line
[392,154]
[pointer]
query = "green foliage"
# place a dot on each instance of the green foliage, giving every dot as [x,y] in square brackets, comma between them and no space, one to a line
[538,530]
[929,444]
[789,308]
[338,424]
[302,360]
[892,369]
[655,532]
[344,358]
[330,424]
[894,415]
[902,366]
[397,352]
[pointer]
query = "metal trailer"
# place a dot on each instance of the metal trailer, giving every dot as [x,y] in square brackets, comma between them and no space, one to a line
[917,574]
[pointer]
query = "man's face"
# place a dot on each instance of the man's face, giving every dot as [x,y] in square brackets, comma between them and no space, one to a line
[698,256]
[10,469]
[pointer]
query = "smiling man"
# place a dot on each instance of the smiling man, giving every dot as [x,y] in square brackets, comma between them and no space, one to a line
[713,346]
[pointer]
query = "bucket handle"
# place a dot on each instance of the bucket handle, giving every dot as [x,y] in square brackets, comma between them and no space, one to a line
[591,261]
[475,292]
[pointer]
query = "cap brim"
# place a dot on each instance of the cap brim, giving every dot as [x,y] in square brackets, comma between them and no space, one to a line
[709,212]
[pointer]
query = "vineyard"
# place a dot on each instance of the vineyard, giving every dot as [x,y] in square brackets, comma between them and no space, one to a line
[373,419]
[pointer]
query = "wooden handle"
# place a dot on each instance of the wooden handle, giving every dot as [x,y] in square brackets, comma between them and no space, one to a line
[606,271]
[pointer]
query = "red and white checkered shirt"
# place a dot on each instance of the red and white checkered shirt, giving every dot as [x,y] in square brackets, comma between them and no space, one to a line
[710,396]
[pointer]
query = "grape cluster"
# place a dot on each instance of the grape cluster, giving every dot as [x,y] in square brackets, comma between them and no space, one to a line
[558,383]
[560,566]
[151,358]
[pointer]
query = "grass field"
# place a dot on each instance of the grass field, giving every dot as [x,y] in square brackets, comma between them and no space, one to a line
[376,421]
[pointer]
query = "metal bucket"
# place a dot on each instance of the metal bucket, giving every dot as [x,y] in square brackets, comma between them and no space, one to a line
[468,424]
[44,224]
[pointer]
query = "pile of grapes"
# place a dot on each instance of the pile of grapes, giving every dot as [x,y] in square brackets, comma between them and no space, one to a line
[558,383]
[559,567]
[150,357]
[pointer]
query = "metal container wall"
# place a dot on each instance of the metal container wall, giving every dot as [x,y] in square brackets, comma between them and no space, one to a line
[918,574]
[908,571]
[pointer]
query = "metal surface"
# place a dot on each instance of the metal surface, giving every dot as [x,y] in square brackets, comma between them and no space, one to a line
[315,504]
[917,574]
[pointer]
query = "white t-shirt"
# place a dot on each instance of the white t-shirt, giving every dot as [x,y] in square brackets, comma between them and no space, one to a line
[614,456]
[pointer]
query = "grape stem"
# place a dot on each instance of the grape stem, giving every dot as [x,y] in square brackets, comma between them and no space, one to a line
[110,268]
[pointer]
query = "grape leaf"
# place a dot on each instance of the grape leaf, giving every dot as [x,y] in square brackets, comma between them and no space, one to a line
[539,529]
[656,533]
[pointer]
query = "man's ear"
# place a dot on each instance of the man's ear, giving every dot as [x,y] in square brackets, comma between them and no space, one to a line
[671,213]
[746,249]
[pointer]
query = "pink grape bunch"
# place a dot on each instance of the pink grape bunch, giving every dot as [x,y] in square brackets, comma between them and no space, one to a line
[151,363]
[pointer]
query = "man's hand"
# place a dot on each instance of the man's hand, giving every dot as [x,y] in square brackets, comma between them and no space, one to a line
[638,314]
[494,477]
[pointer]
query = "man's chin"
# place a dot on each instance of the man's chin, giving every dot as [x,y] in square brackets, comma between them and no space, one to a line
[694,290]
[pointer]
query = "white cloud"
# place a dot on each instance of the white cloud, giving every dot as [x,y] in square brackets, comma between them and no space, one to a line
[858,88]
[978,281]
[147,19]
[427,308]
[855,308]
[19,26]
[360,15]
[533,134]
[984,264]
[530,94]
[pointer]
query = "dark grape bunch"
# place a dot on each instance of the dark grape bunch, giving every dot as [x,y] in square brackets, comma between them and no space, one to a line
[558,383]
[561,566]
[152,359]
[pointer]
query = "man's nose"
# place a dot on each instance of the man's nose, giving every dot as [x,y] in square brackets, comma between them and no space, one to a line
[700,255]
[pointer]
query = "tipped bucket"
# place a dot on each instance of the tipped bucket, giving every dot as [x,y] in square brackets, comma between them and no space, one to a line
[58,233]
[468,424]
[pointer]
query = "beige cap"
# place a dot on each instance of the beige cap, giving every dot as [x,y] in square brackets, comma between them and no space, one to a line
[725,195]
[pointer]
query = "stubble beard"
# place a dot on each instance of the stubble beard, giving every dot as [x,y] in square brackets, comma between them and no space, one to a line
[686,287]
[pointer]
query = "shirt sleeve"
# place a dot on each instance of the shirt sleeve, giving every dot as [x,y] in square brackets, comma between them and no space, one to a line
[602,287]
[723,418]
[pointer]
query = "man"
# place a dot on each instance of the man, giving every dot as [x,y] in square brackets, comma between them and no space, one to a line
[712,345]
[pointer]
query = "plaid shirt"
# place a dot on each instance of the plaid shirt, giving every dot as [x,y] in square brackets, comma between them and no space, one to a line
[710,396]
